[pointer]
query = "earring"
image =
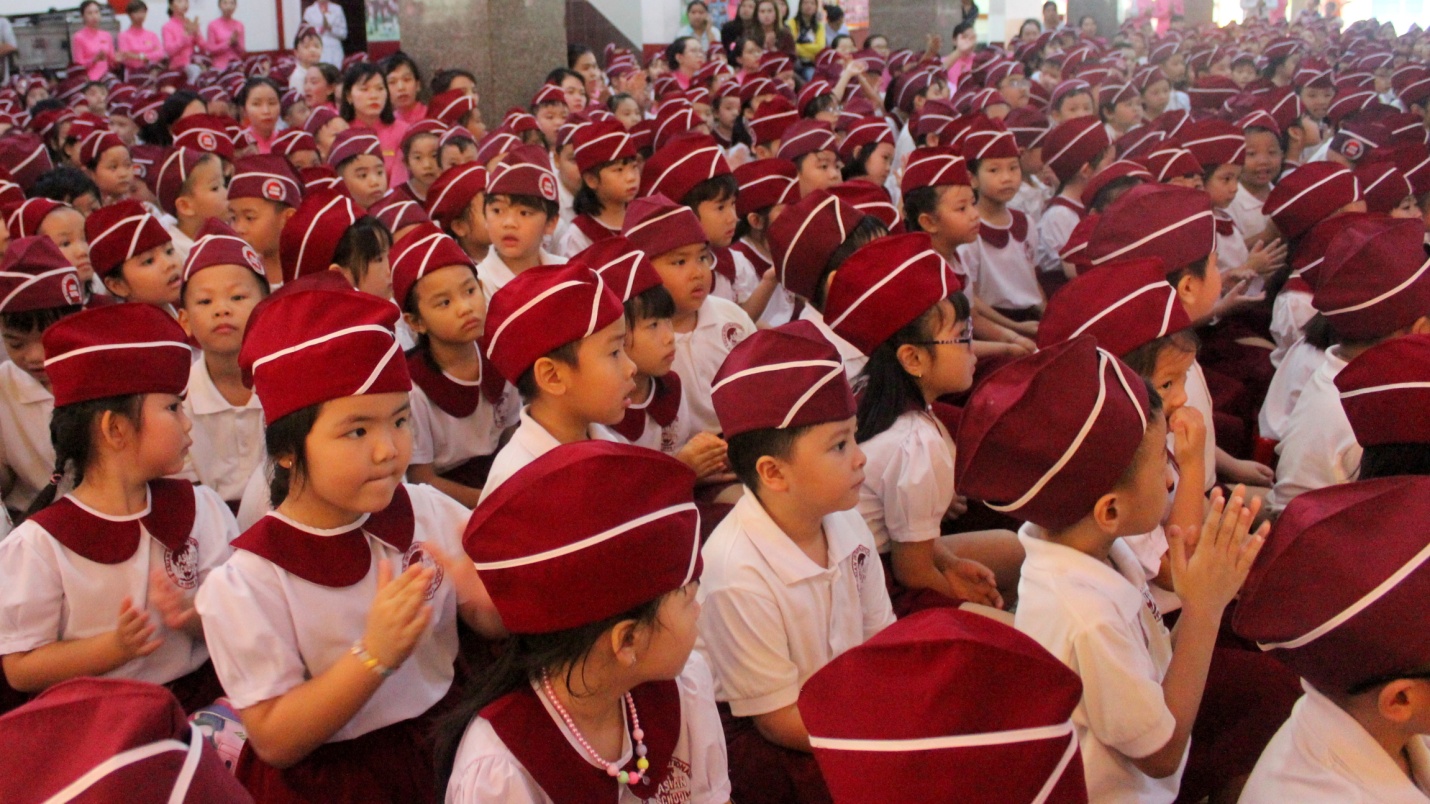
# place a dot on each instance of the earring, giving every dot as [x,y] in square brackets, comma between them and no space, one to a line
[286,464]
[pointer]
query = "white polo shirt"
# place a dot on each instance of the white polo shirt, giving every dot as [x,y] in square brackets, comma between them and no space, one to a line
[1199,398]
[908,480]
[1319,448]
[493,273]
[447,441]
[1054,229]
[228,440]
[1290,313]
[1296,368]
[1099,619]
[25,448]
[719,325]
[1004,277]
[1322,755]
[770,617]
[528,442]
[1245,208]
[854,360]
[1032,198]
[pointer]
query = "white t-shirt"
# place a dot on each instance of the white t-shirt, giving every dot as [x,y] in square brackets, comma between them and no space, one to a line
[1101,622]
[26,451]
[493,273]
[719,325]
[854,360]
[1296,368]
[770,617]
[1054,229]
[1290,313]
[1003,275]
[908,480]
[1246,210]
[666,397]
[486,770]
[228,440]
[1319,448]
[1032,198]
[528,442]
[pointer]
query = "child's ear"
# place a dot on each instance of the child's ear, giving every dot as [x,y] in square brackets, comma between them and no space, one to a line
[771,472]
[549,376]
[1397,700]
[288,213]
[913,359]
[115,284]
[183,207]
[927,222]
[763,152]
[184,322]
[348,275]
[591,182]
[1107,513]
[1421,325]
[623,642]
[460,228]
[413,320]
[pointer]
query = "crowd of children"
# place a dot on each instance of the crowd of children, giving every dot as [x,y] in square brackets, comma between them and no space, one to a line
[1044,421]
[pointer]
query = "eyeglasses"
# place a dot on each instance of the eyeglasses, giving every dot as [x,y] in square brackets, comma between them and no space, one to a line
[965,339]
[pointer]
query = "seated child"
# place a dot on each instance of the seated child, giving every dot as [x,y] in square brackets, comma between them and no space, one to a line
[106,160]
[866,153]
[456,202]
[610,179]
[63,224]
[520,209]
[357,157]
[263,195]
[812,147]
[330,232]
[791,576]
[191,187]
[767,186]
[134,255]
[1000,262]
[1073,150]
[420,147]
[297,147]
[1376,387]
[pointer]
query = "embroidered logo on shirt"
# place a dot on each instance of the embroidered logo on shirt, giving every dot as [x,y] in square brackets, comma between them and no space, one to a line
[861,566]
[676,787]
[416,554]
[730,334]
[1151,604]
[182,566]
[668,443]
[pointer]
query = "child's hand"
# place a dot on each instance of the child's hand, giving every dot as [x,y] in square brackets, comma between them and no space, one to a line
[1189,436]
[957,508]
[1266,257]
[1211,576]
[1249,472]
[134,636]
[705,454]
[177,610]
[973,582]
[399,616]
[1235,299]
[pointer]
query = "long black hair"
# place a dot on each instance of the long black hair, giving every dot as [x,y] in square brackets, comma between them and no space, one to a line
[888,390]
[357,74]
[288,438]
[157,132]
[72,434]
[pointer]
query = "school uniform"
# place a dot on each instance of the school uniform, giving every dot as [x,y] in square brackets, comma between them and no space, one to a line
[719,325]
[783,306]
[1296,368]
[1290,313]
[1199,398]
[1032,198]
[1319,448]
[908,480]
[1101,621]
[294,600]
[1231,250]
[456,424]
[580,234]
[1179,101]
[227,439]
[527,443]
[1059,219]
[520,769]
[854,360]
[25,447]
[1245,208]
[493,272]
[1001,265]
[659,421]
[69,566]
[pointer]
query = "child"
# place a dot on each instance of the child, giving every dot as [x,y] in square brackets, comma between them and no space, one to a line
[307,52]
[64,226]
[262,196]
[812,147]
[457,108]
[191,187]
[339,608]
[1000,261]
[1074,150]
[549,108]
[298,147]
[1070,100]
[330,232]
[767,186]
[1358,733]
[610,179]
[706,327]
[133,254]
[456,202]
[602,612]
[557,334]
[110,569]
[106,160]
[867,151]
[460,404]
[357,157]
[40,287]
[325,125]
[455,147]
[1375,388]
[223,282]
[791,579]
[1097,474]
[420,146]
[1029,126]
[224,38]
[520,209]
[1121,108]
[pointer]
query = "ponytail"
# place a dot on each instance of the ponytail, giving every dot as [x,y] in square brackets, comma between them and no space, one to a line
[72,435]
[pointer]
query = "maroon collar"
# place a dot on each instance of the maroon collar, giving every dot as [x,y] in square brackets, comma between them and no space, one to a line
[172,510]
[760,261]
[594,230]
[1224,225]
[453,398]
[335,561]
[528,731]
[998,238]
[1064,201]
[662,406]
[724,263]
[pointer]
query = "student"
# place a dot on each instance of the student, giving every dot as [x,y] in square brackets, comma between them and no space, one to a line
[456,202]
[791,580]
[111,568]
[610,179]
[139,49]
[64,226]
[1375,388]
[263,195]
[334,659]
[420,147]
[767,186]
[1262,165]
[455,147]
[549,108]
[1000,262]
[40,288]
[357,157]
[598,694]
[520,209]
[331,233]
[1098,475]
[1358,734]
[1070,100]
[460,404]
[1120,106]
[224,38]
[557,333]
[1029,126]
[1073,150]
[813,148]
[191,188]
[107,161]
[308,53]
[867,151]
[706,327]
[133,254]
[325,125]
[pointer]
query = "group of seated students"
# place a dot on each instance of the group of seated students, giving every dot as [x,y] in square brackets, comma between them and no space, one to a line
[1040,421]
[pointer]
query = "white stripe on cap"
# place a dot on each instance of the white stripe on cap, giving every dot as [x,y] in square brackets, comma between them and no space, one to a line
[713,151]
[17,217]
[455,103]
[634,257]
[466,170]
[203,243]
[1152,236]
[1151,287]
[1385,173]
[308,234]
[1071,143]
[836,369]
[538,299]
[889,277]
[1374,389]
[657,219]
[979,740]
[991,135]
[137,220]
[621,135]
[28,280]
[431,242]
[321,339]
[276,176]
[799,233]
[817,133]
[877,124]
[601,538]
[392,350]
[20,166]
[113,347]
[1355,608]
[1297,197]
[1382,297]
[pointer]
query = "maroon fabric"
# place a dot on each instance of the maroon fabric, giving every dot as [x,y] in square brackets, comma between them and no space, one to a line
[170,520]
[907,601]
[764,773]
[663,408]
[594,230]
[456,400]
[334,561]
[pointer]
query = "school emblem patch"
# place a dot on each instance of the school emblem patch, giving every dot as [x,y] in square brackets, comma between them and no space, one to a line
[69,288]
[1353,149]
[676,787]
[860,562]
[273,190]
[208,141]
[182,566]
[253,260]
[730,335]
[417,554]
[548,187]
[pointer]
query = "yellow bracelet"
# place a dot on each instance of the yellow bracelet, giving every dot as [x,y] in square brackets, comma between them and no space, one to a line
[369,661]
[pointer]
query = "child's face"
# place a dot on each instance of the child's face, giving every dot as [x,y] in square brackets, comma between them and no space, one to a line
[549,118]
[217,302]
[302,160]
[378,279]
[163,437]
[685,273]
[357,454]
[456,153]
[598,385]
[207,196]
[124,128]
[114,173]
[998,179]
[309,51]
[628,112]
[451,308]
[817,171]
[880,163]
[422,162]
[327,133]
[574,90]
[1317,101]
[1243,73]
[1169,377]
[825,468]
[718,218]
[650,344]
[1222,184]
[567,171]
[1192,181]
[26,351]
[1143,494]
[149,277]
[665,647]
[515,229]
[65,228]
[1073,107]
[293,118]
[955,218]
[261,108]
[1126,114]
[1175,67]
[1407,208]
[96,95]
[728,111]
[470,227]
[1263,159]
[259,222]
[951,364]
[402,87]
[1155,99]
[618,182]
[366,179]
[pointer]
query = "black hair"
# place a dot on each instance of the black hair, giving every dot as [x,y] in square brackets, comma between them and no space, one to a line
[357,74]
[287,438]
[533,202]
[1143,359]
[442,81]
[555,77]
[568,353]
[739,49]
[1058,109]
[700,3]
[1319,334]
[64,183]
[45,105]
[1390,460]
[72,435]
[1154,414]
[171,8]
[331,75]
[586,201]
[866,231]
[574,52]
[1197,268]
[157,132]
[1051,3]
[1273,64]
[614,102]
[919,201]
[408,141]
[834,15]
[745,450]
[720,188]
[674,49]
[87,3]
[360,245]
[1112,191]
[36,320]
[963,25]
[888,391]
[653,302]
[399,59]
[241,99]
[821,103]
[135,5]
[522,659]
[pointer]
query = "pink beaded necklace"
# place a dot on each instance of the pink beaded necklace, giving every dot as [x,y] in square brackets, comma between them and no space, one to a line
[612,769]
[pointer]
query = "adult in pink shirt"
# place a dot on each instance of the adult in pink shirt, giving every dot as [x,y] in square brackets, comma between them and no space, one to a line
[404,87]
[92,48]
[224,39]
[181,36]
[139,48]
[365,104]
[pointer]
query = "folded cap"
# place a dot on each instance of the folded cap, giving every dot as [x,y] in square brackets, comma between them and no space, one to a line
[116,350]
[807,137]
[1113,94]
[811,92]
[765,183]
[657,225]
[676,169]
[1309,194]
[310,238]
[219,244]
[788,376]
[1121,169]
[397,211]
[865,131]
[95,144]
[1123,305]
[1172,223]
[421,251]
[1214,142]
[352,143]
[266,176]
[525,170]
[885,286]
[625,269]
[988,139]
[24,219]
[548,93]
[1047,435]
[1383,185]
[543,309]
[585,532]
[597,144]
[321,177]
[119,231]
[938,166]
[770,120]
[454,190]
[35,275]
[451,106]
[1336,592]
[755,87]
[1358,138]
[293,141]
[1381,385]
[174,170]
[318,118]
[1028,125]
[204,132]
[1171,161]
[1210,92]
[806,235]
[1374,279]
[1072,144]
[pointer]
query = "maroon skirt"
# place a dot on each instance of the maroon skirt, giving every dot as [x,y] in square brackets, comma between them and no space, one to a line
[764,773]
[391,765]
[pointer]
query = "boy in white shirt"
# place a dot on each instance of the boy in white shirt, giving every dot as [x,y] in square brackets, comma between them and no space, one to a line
[521,210]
